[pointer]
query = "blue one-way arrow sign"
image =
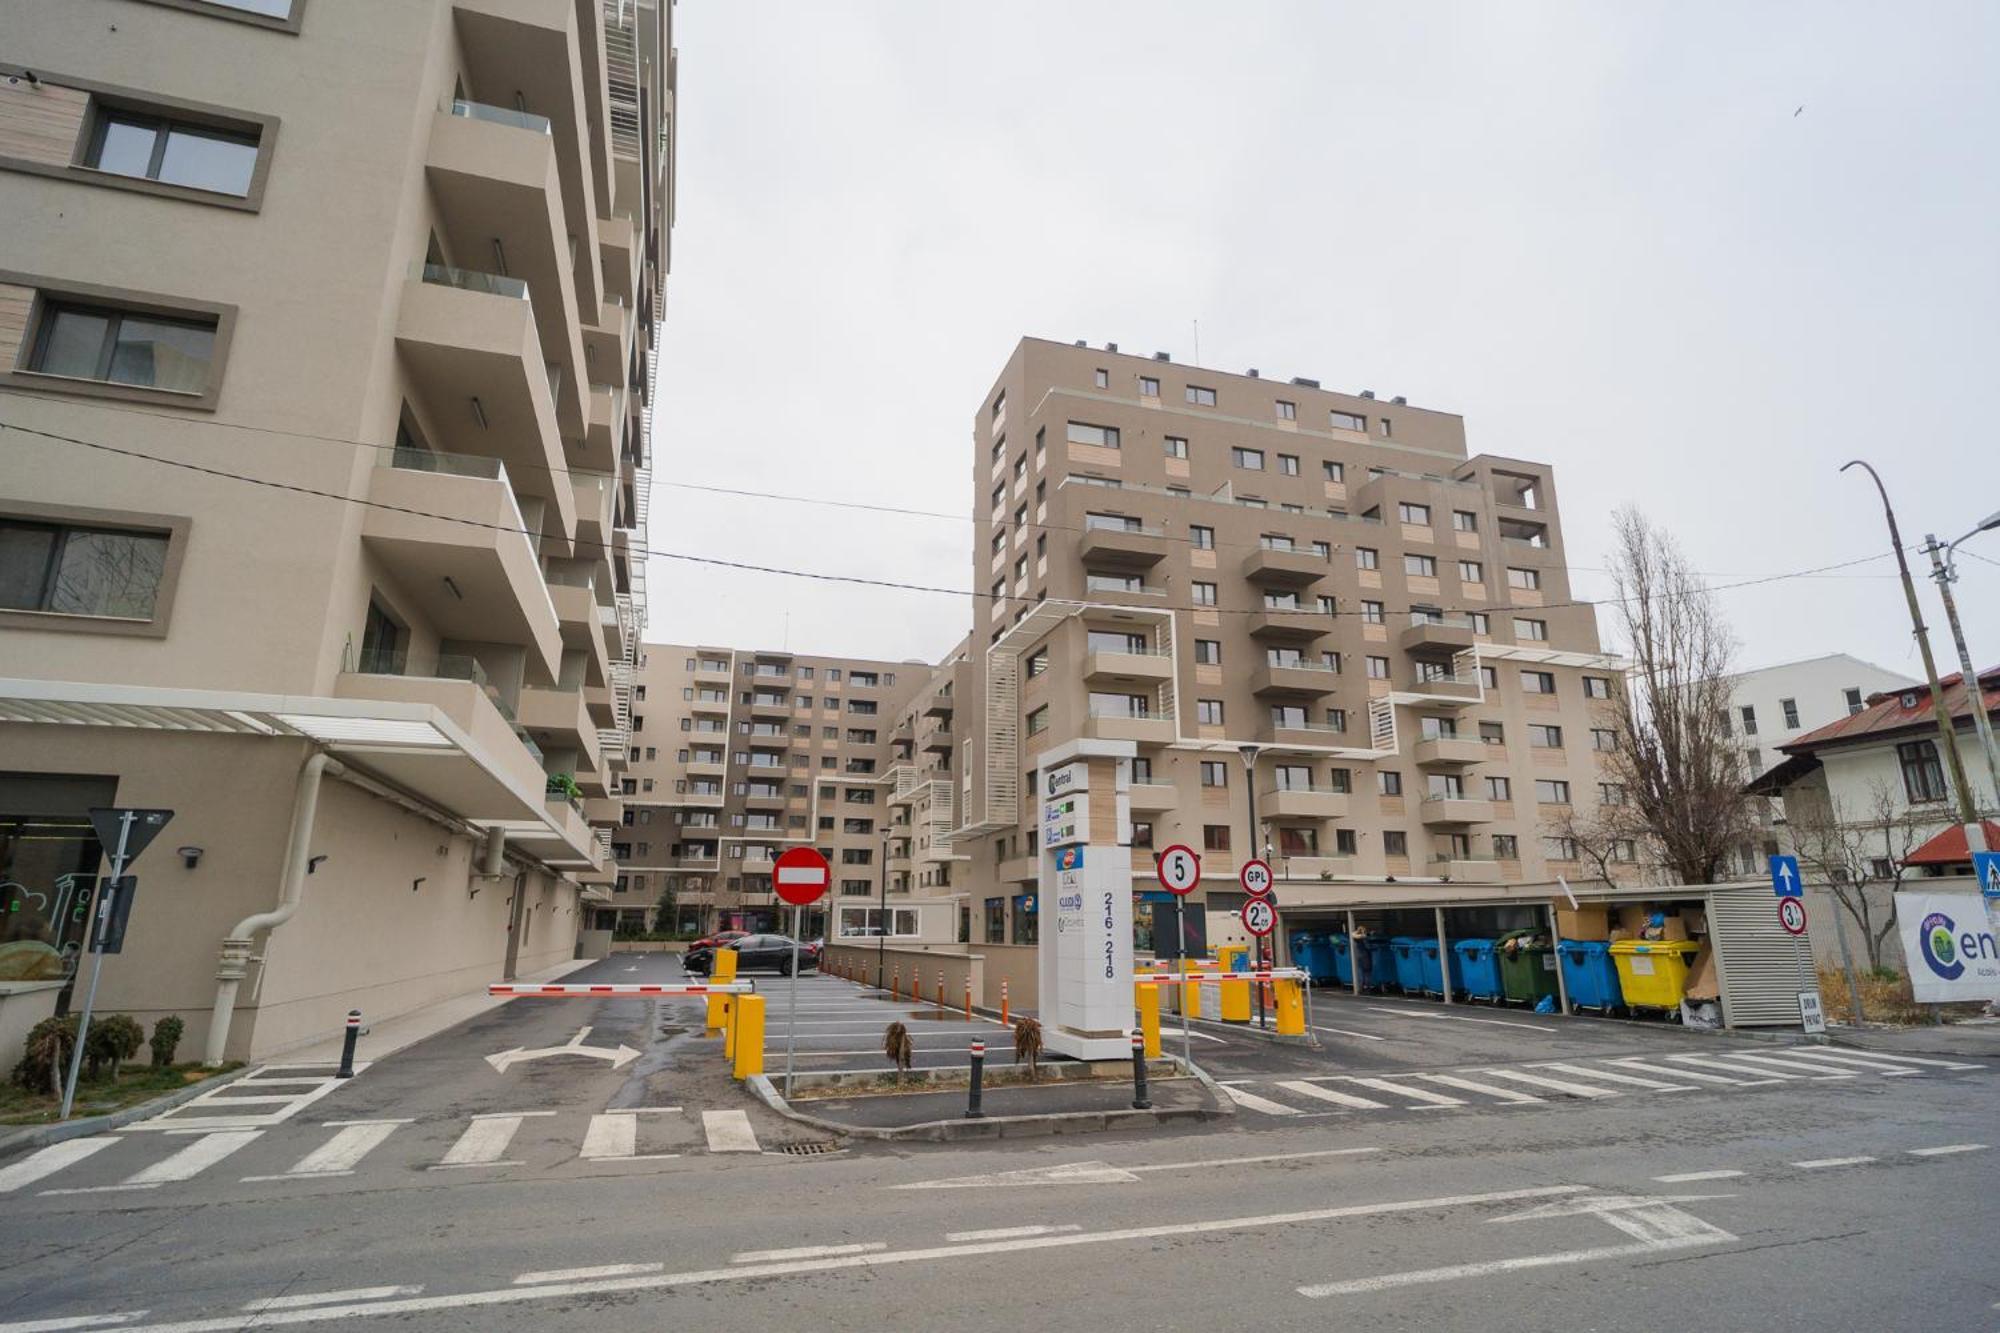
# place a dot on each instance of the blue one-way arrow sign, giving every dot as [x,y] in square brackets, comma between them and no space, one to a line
[1986,869]
[1785,881]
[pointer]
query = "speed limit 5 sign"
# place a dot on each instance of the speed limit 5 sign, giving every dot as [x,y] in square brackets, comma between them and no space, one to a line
[1179,869]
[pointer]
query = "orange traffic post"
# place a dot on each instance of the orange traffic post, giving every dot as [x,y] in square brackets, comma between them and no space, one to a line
[896,981]
[968,997]
[1003,1004]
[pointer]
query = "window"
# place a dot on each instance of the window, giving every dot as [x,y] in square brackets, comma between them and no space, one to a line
[1346,421]
[1142,769]
[1414,513]
[1334,471]
[1420,566]
[1120,705]
[1323,550]
[1529,579]
[1104,437]
[1471,571]
[1531,631]
[1148,387]
[1551,791]
[1201,538]
[1378,668]
[1336,719]
[1287,411]
[1749,720]
[1389,782]
[1611,793]
[272,9]
[1203,594]
[1208,712]
[1923,776]
[1543,737]
[1215,837]
[1395,842]
[1371,613]
[1288,465]
[1142,833]
[1538,682]
[1289,716]
[1176,447]
[1200,397]
[1214,773]
[1790,707]
[1499,789]
[1506,847]
[1250,460]
[1854,704]
[1559,849]
[124,347]
[1599,687]
[1038,721]
[1445,787]
[1464,520]
[1367,557]
[195,157]
[66,569]
[1276,541]
[1383,427]
[1103,379]
[1208,652]
[999,406]
[1114,641]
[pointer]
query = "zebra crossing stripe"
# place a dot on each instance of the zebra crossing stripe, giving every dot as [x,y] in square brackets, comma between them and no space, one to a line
[338,1155]
[1631,1080]
[1250,1101]
[1555,1084]
[1810,1066]
[1508,1095]
[1635,1063]
[1710,1062]
[484,1142]
[1430,1099]
[48,1161]
[192,1160]
[610,1136]
[1314,1090]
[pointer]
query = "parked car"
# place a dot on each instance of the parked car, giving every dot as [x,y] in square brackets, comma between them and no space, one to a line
[755,953]
[717,940]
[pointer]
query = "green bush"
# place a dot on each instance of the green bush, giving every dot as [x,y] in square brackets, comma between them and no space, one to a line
[166,1039]
[42,1068]
[113,1039]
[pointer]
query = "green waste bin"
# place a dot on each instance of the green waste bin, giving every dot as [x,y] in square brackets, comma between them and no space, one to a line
[1527,972]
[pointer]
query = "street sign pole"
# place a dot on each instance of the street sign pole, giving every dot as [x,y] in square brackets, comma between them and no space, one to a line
[801,876]
[1180,933]
[792,1003]
[101,902]
[1178,869]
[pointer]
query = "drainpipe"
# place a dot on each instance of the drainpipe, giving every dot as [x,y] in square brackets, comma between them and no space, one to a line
[237,944]
[493,857]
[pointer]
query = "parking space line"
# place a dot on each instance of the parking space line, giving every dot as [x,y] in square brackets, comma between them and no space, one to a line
[1686,1177]
[807,1252]
[585,1274]
[1947,1150]
[1460,1018]
[1344,1032]
[1009,1233]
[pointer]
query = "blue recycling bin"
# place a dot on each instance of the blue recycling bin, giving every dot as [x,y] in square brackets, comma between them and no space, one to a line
[1478,966]
[1408,952]
[1590,975]
[1341,954]
[1309,952]
[1377,961]
[1431,967]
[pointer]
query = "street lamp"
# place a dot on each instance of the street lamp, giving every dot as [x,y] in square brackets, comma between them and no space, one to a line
[1945,571]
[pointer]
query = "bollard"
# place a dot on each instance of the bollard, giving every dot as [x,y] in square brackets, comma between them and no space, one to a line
[896,982]
[1140,1101]
[974,1089]
[968,998]
[748,1057]
[1149,1018]
[1005,1021]
[940,989]
[347,1044]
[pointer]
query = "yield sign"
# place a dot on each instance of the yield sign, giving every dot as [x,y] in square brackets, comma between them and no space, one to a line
[143,825]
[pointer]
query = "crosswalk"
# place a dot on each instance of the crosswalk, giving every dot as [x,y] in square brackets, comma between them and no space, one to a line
[479,1146]
[1543,1082]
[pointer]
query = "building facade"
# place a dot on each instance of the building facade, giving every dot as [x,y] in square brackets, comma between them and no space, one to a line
[327,349]
[1184,566]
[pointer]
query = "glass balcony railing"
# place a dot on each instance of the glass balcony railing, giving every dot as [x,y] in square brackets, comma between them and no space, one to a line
[471,280]
[414,459]
[500,115]
[445,666]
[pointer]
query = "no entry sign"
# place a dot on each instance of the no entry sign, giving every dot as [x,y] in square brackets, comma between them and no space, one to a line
[800,876]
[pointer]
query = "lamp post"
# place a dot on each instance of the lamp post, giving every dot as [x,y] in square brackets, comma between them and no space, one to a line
[1944,570]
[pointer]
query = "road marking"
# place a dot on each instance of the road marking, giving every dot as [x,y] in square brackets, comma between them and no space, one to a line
[272,1099]
[807,1252]
[1710,1062]
[1686,1176]
[1365,1036]
[1508,1095]
[75,1322]
[340,1154]
[48,1161]
[342,1124]
[1846,1054]
[1459,1018]
[610,1136]
[729,1131]
[1816,1163]
[101,1189]
[508,1115]
[1250,1101]
[1429,1099]
[308,1300]
[1633,1062]
[618,1056]
[1009,1233]
[1824,1058]
[1069,1173]
[1305,1089]
[192,1160]
[1756,1061]
[1947,1149]
[484,1141]
[1554,1084]
[1247,1161]
[1610,1077]
[535,1279]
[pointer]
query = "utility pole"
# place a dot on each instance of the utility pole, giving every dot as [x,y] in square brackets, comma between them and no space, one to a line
[882,919]
[1250,753]
[1943,569]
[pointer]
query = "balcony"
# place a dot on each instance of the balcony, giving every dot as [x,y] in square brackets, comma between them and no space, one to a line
[1020,870]
[595,512]
[608,811]
[1268,678]
[714,707]
[1315,867]
[470,570]
[565,837]
[1128,665]
[1268,568]
[618,247]
[713,768]
[769,706]
[492,771]
[707,669]
[1449,690]
[939,705]
[607,336]
[560,720]
[1145,729]
[1122,548]
[1303,803]
[1152,797]
[941,741]
[1440,811]
[1434,640]
[492,173]
[702,800]
[1465,870]
[1279,626]
[763,800]
[604,430]
[470,344]
[1453,752]
[1314,735]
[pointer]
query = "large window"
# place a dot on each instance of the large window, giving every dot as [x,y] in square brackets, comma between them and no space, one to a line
[81,571]
[122,347]
[197,157]
[1923,775]
[1104,437]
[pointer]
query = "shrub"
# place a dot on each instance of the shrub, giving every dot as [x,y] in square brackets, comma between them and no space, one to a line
[166,1039]
[113,1039]
[42,1068]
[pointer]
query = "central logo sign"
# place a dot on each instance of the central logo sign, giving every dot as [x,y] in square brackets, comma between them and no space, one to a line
[1939,947]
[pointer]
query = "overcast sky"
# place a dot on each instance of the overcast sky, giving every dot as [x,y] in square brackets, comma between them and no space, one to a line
[1602,233]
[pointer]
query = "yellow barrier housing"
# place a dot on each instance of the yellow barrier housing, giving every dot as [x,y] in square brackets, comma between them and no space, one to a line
[1149,1018]
[723,969]
[1235,994]
[1290,1002]
[748,1036]
[1190,992]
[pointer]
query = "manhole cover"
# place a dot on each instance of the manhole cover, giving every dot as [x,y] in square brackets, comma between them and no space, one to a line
[809,1149]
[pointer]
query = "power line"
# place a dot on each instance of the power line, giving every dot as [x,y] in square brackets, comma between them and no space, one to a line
[823,577]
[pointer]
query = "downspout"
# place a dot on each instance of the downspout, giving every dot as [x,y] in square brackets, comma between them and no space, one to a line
[237,944]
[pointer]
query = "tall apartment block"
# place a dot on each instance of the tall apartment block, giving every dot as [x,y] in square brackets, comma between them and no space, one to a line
[327,350]
[739,755]
[1203,566]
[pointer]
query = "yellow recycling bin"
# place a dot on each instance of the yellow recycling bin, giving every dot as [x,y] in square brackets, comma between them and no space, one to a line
[1148,998]
[748,1057]
[1289,999]
[722,969]
[1653,973]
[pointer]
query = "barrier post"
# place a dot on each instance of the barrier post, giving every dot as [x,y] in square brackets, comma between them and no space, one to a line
[968,997]
[940,990]
[729,1010]
[748,1030]
[1149,1018]
[975,1090]
[1004,1017]
[896,982]
[1140,1102]
[722,968]
[346,1069]
[1288,1003]
[1191,990]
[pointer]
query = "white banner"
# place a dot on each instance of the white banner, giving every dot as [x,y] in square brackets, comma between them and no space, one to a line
[1950,947]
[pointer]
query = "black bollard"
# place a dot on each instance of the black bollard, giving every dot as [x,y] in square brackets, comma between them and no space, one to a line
[976,1088]
[1140,1102]
[347,1045]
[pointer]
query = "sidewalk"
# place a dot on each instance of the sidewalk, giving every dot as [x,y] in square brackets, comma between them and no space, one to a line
[1014,1111]
[1978,1038]
[393,1034]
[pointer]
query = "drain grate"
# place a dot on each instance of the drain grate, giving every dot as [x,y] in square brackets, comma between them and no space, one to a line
[809,1149]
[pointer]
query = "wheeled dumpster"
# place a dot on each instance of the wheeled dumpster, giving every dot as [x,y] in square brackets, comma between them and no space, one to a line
[1527,972]
[1340,953]
[1478,965]
[1309,952]
[1590,975]
[1377,960]
[1408,951]
[1434,966]
[1652,974]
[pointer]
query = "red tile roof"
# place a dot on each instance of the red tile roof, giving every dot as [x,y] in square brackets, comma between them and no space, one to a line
[1885,714]
[1948,848]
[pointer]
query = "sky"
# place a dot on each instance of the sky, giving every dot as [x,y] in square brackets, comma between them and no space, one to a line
[1696,256]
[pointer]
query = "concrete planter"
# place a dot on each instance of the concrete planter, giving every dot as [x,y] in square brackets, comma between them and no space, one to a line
[22,1005]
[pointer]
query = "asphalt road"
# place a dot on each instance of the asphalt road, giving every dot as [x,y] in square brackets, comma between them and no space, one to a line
[1802,1200]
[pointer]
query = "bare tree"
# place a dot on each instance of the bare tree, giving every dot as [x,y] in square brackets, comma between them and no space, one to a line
[1854,852]
[1601,836]
[1684,798]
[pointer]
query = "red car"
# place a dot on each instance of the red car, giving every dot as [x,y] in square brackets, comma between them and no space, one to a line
[720,939]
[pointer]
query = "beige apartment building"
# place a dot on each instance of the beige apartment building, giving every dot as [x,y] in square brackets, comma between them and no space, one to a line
[1185,566]
[737,756]
[327,344]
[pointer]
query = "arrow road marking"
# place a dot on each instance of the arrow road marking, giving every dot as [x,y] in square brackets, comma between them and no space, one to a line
[620,1057]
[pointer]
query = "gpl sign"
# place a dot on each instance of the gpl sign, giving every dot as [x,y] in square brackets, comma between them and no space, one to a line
[1255,877]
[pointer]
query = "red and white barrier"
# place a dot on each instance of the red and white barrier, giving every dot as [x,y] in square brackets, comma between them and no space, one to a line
[1196,978]
[560,991]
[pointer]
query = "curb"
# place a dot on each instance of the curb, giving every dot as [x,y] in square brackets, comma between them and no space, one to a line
[40,1136]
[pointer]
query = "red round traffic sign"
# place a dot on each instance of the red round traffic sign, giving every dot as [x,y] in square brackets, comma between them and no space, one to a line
[1260,918]
[800,875]
[1179,869]
[1255,877]
[1792,915]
